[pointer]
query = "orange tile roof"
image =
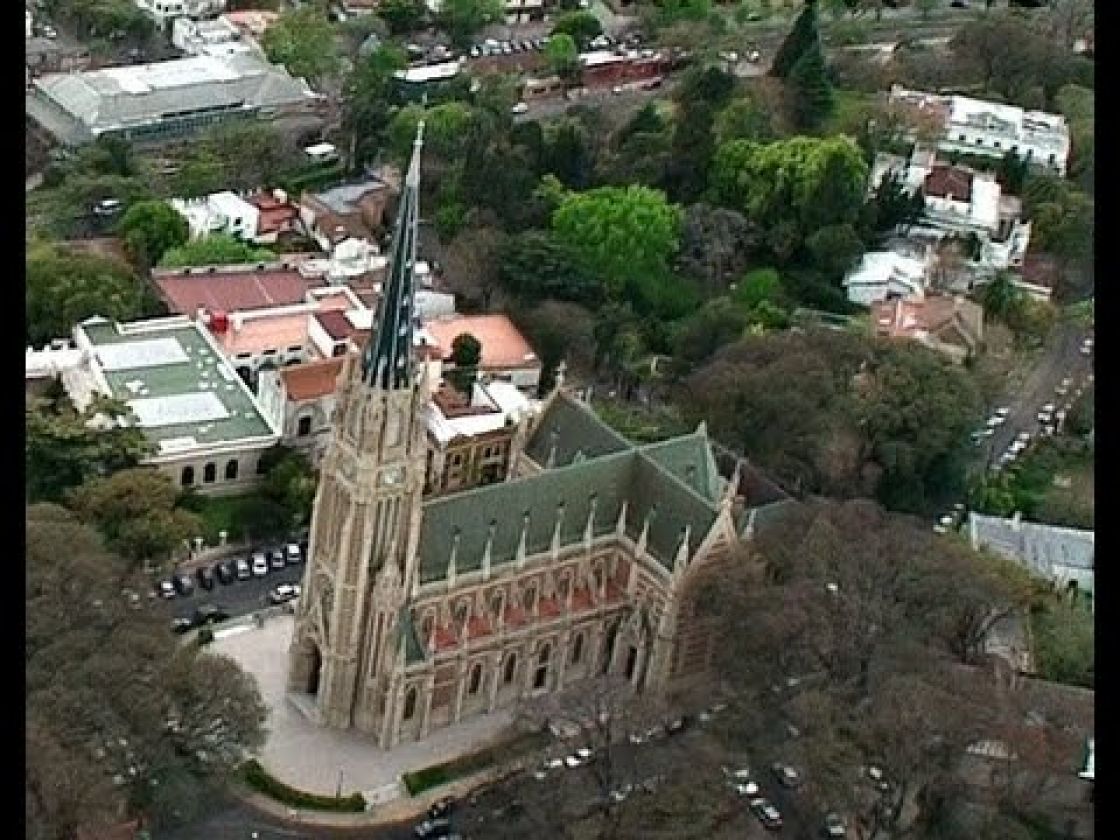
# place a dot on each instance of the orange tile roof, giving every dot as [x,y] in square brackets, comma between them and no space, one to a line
[312,380]
[260,334]
[503,345]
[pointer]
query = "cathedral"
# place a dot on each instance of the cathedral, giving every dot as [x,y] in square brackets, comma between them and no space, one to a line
[419,612]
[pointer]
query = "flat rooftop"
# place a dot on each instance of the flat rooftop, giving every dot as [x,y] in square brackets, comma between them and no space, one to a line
[182,391]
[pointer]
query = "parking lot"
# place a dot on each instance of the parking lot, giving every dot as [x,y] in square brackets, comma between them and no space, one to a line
[236,598]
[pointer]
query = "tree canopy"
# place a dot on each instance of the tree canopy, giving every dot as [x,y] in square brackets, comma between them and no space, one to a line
[65,288]
[581,26]
[151,228]
[217,249]
[463,18]
[118,713]
[303,41]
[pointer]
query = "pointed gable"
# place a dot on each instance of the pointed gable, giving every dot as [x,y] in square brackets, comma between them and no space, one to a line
[568,431]
[689,458]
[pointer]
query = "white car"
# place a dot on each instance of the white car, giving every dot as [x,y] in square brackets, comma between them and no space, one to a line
[1002,411]
[283,593]
[1087,347]
[520,108]
[166,589]
[572,761]
[1043,417]
[946,521]
[1048,408]
[260,564]
[1025,437]
[1063,387]
[995,420]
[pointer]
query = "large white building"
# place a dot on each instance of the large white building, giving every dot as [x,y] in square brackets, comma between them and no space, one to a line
[992,129]
[886,274]
[216,37]
[205,426]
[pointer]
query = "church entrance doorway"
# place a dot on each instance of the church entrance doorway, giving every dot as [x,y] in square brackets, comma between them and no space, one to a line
[314,668]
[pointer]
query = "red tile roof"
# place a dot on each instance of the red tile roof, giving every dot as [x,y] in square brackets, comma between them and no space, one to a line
[275,215]
[336,324]
[949,182]
[231,291]
[312,380]
[503,346]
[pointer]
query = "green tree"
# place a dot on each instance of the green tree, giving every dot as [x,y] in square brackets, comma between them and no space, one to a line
[289,484]
[803,38]
[705,331]
[303,41]
[219,249]
[150,228]
[121,719]
[466,354]
[537,265]
[563,56]
[444,127]
[137,512]
[581,26]
[813,98]
[403,16]
[463,18]
[1001,297]
[623,235]
[744,119]
[64,288]
[63,448]
[834,249]
[367,97]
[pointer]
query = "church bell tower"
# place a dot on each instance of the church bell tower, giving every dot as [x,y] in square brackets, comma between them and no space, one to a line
[366,519]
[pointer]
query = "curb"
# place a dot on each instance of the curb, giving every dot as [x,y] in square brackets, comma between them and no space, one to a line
[402,809]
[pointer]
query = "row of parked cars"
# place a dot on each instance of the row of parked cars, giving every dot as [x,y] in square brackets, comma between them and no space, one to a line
[257,565]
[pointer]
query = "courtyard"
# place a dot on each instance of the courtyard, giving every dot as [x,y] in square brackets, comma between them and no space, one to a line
[314,759]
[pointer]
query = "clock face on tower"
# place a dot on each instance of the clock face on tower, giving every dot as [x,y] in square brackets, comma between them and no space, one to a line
[391,476]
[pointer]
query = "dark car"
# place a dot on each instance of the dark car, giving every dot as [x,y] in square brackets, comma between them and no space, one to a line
[209,614]
[205,577]
[433,828]
[181,625]
[786,775]
[276,558]
[441,808]
[225,573]
[183,584]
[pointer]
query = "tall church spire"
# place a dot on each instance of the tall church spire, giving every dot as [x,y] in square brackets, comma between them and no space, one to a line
[387,357]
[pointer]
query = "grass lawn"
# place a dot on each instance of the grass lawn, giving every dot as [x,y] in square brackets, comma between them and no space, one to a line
[224,513]
[1070,498]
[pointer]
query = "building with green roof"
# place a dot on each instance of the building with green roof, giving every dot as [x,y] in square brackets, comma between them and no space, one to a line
[204,425]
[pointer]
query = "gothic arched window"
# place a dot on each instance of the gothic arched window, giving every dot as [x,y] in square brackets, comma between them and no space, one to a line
[476,679]
[410,704]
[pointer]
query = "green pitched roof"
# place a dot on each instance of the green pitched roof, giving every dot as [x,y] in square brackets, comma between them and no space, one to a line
[570,431]
[690,459]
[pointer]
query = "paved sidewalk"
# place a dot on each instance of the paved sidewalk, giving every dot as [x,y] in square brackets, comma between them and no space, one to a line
[319,760]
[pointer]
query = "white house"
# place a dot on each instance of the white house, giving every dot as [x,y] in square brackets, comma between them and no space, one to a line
[1061,555]
[209,37]
[165,11]
[993,129]
[223,212]
[883,274]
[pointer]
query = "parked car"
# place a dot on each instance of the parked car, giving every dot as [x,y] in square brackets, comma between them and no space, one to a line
[292,554]
[520,108]
[166,589]
[767,814]
[276,559]
[242,569]
[260,564]
[107,207]
[1063,387]
[283,593]
[225,573]
[1087,347]
[210,614]
[181,625]
[441,808]
[183,584]
[834,827]
[433,828]
[786,775]
[205,577]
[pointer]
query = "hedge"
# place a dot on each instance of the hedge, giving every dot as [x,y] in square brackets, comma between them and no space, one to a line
[259,779]
[441,774]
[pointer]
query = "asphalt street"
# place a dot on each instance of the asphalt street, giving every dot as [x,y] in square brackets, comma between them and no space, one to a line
[240,597]
[1061,358]
[237,821]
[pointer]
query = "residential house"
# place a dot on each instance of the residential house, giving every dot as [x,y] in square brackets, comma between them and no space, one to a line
[991,129]
[963,203]
[506,355]
[349,211]
[1064,556]
[426,80]
[165,12]
[251,24]
[205,427]
[301,401]
[277,216]
[882,275]
[951,325]
[219,213]
[216,37]
[236,288]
